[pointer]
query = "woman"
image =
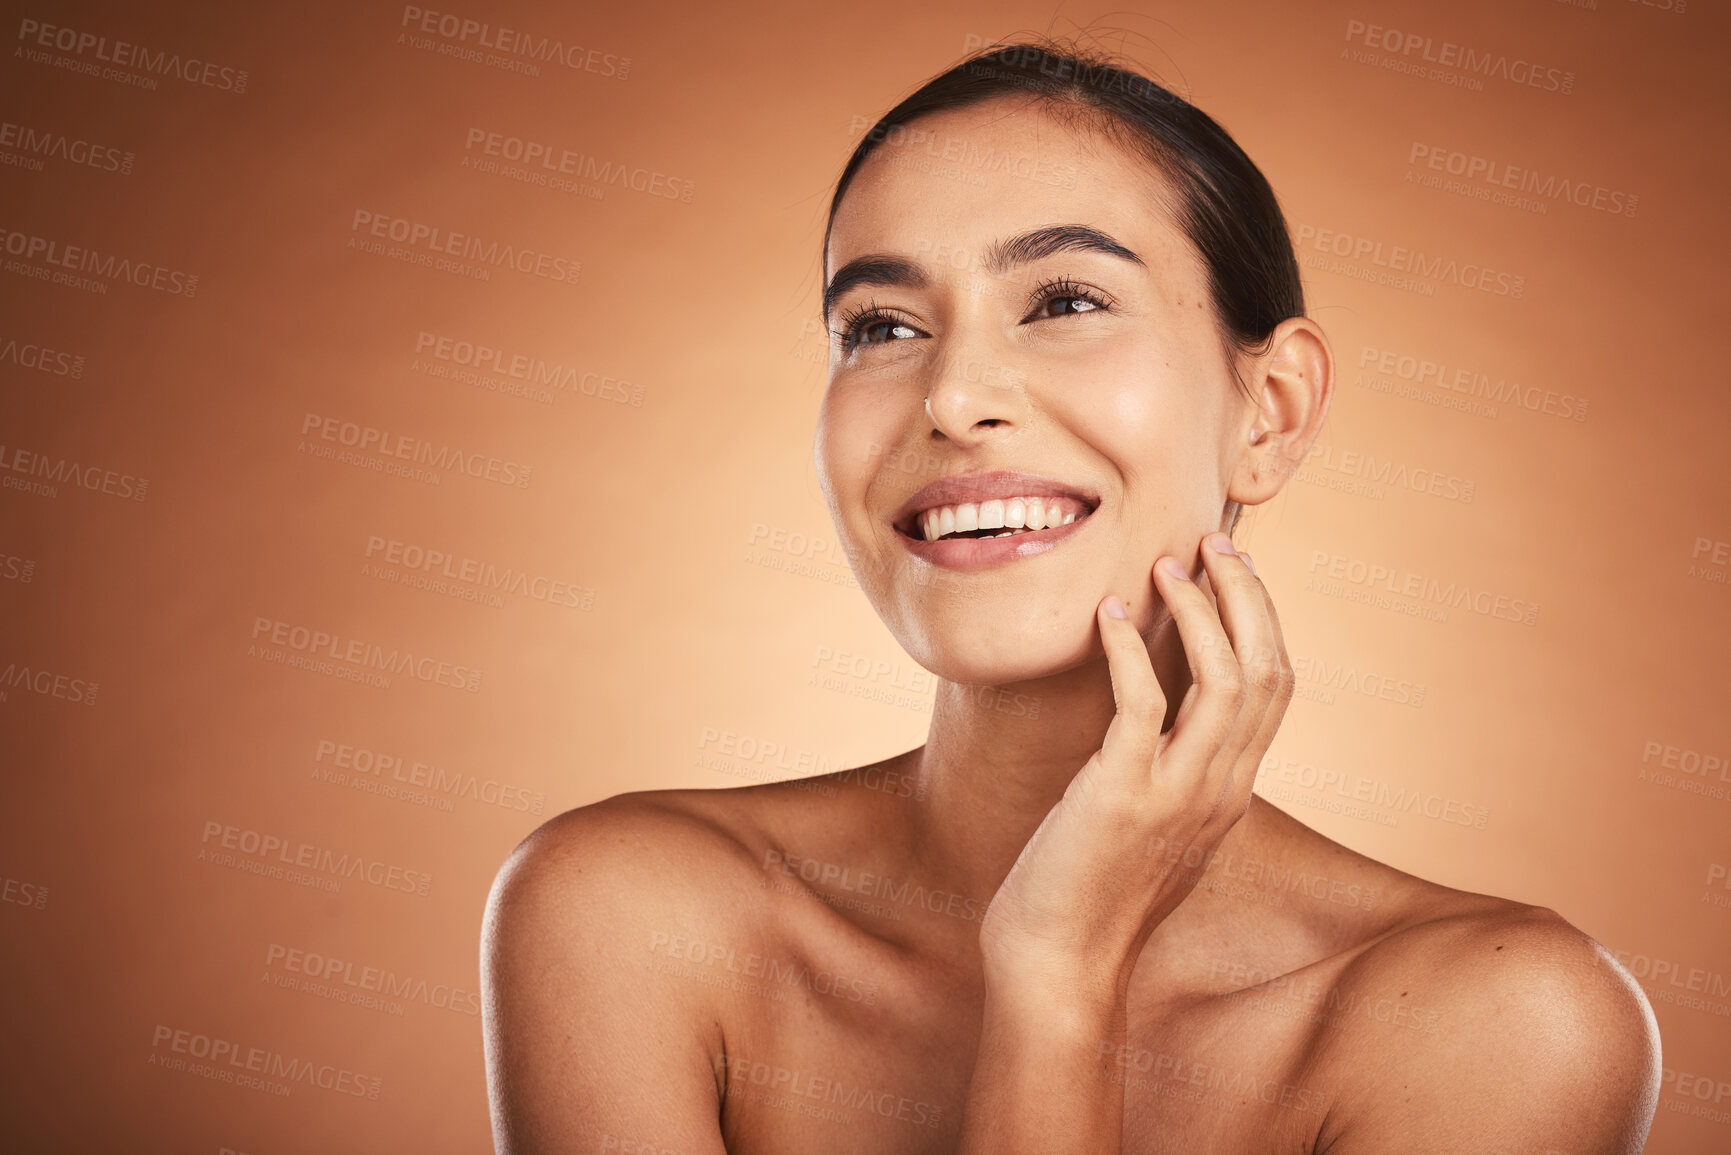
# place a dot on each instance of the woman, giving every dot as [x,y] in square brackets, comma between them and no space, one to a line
[1064,923]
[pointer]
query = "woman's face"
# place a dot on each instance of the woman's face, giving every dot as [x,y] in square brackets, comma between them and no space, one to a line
[1025,276]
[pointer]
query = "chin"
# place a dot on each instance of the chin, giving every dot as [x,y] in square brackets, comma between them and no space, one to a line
[994,652]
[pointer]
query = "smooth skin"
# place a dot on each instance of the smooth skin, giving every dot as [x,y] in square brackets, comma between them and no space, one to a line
[1065,923]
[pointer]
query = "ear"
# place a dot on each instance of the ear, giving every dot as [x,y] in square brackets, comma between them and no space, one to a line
[1293,382]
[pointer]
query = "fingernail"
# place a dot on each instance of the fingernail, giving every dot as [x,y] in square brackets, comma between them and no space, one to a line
[1220,543]
[1115,608]
[1175,567]
[1248,562]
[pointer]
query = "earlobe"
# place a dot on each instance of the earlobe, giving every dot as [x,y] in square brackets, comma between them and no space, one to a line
[1294,385]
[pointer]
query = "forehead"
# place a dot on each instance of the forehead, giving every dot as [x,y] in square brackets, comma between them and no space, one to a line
[947,185]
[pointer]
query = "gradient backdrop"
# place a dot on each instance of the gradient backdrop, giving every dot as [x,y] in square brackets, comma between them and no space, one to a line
[406,436]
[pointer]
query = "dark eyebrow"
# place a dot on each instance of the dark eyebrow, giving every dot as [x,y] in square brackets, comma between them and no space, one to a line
[872,270]
[1039,243]
[1000,257]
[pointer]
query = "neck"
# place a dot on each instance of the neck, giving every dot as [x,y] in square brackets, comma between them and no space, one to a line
[998,758]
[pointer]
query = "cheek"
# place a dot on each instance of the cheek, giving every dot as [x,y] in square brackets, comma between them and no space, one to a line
[1148,412]
[853,445]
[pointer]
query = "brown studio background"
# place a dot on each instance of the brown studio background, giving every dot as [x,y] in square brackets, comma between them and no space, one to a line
[670,495]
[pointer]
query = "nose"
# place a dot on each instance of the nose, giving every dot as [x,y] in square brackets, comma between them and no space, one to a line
[972,398]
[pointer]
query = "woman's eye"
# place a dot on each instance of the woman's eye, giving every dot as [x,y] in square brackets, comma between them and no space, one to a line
[878,332]
[1060,306]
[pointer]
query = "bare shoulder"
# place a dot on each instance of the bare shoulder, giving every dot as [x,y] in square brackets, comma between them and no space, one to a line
[1524,1034]
[670,824]
[632,856]
[569,982]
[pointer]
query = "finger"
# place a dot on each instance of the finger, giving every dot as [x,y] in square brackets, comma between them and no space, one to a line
[1249,763]
[1127,751]
[1245,610]
[1273,615]
[1192,747]
[1186,707]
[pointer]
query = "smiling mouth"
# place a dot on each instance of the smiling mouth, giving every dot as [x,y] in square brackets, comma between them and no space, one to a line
[994,517]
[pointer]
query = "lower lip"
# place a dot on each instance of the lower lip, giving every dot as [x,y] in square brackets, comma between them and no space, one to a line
[976,553]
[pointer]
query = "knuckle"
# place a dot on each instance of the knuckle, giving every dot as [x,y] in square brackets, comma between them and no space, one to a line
[1149,708]
[1264,673]
[1238,808]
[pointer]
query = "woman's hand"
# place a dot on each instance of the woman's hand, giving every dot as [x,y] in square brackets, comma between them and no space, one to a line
[1087,890]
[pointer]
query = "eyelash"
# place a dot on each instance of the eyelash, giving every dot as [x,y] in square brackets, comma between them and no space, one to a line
[858,317]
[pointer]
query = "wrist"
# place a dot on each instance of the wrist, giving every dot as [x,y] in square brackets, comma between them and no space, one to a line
[1066,1002]
[1035,973]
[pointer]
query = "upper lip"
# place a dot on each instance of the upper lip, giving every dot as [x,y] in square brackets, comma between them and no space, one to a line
[976,487]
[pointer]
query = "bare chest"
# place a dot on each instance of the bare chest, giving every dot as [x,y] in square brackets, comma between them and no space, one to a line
[890,1072]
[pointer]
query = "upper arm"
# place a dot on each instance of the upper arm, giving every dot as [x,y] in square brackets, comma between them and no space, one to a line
[1538,1042]
[585,1050]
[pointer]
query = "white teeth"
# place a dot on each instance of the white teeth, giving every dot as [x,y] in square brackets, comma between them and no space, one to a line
[1010,514]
